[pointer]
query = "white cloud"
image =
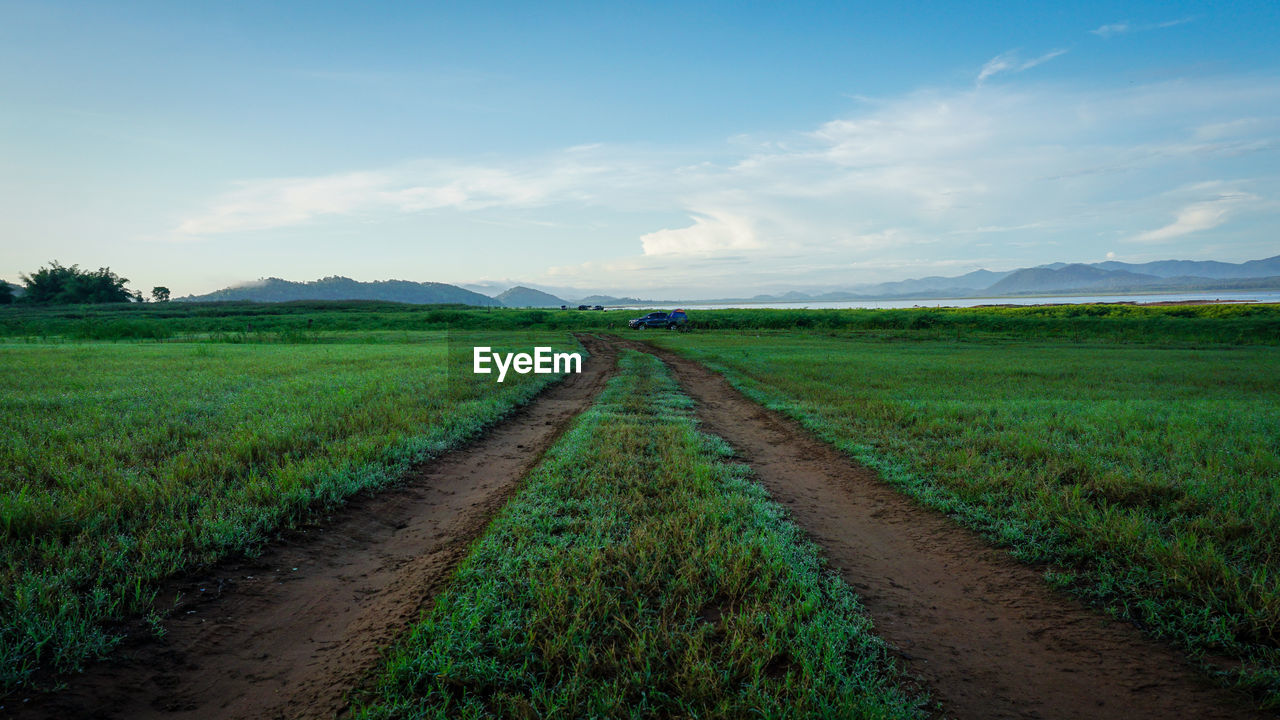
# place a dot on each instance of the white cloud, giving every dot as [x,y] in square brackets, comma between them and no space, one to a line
[275,203]
[710,232]
[414,187]
[1172,23]
[1112,29]
[1010,62]
[1002,228]
[936,178]
[1203,215]
[1123,27]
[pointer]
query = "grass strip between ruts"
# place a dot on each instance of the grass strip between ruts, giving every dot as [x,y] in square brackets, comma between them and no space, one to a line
[640,573]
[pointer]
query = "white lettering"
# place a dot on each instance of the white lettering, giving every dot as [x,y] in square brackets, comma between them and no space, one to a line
[571,360]
[503,367]
[478,365]
[543,361]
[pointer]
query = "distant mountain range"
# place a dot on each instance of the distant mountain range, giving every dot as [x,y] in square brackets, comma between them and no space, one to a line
[1113,278]
[1110,278]
[342,288]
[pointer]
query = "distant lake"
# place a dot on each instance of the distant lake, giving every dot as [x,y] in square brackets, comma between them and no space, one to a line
[1268,296]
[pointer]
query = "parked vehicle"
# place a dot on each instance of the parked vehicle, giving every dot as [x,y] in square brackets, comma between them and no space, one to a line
[674,320]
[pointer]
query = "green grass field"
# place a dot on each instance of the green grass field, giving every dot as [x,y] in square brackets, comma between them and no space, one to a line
[640,573]
[1148,477]
[122,464]
[1132,450]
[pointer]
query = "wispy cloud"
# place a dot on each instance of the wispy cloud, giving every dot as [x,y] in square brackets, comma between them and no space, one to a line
[1010,62]
[921,179]
[261,204]
[1198,216]
[1001,228]
[414,187]
[1123,27]
[1112,29]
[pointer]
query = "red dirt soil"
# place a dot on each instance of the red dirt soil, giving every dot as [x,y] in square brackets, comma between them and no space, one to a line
[289,634]
[987,635]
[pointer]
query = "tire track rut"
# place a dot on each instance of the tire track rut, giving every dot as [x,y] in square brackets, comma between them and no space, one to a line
[986,634]
[289,634]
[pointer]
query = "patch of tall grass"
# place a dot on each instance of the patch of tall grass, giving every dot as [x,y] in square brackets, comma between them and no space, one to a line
[639,573]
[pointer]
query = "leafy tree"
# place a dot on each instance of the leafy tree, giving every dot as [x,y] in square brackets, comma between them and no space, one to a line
[160,293]
[6,293]
[60,284]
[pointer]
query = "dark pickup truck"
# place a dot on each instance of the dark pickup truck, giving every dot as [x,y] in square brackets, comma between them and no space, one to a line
[674,320]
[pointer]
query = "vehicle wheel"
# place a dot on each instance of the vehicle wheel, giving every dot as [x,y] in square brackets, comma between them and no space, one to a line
[640,327]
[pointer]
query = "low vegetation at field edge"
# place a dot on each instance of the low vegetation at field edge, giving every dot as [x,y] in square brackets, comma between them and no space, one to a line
[123,464]
[326,321]
[639,573]
[1148,477]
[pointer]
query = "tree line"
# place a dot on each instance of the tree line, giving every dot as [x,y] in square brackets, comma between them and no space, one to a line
[58,284]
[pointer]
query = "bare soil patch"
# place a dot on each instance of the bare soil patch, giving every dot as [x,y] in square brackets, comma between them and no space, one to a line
[985,633]
[288,634]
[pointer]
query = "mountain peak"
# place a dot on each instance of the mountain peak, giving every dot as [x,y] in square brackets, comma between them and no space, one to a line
[521,296]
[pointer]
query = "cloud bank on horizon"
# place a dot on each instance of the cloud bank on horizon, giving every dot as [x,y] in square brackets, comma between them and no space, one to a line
[998,166]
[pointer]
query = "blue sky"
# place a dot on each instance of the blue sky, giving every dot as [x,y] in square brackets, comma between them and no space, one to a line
[656,149]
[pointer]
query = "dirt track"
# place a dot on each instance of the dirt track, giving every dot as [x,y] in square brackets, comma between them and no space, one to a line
[289,634]
[986,634]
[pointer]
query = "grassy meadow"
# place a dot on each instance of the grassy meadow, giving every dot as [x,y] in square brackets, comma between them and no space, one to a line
[640,573]
[1146,477]
[1133,450]
[122,464]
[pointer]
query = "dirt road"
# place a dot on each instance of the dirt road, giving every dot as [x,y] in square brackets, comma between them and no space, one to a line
[986,634]
[289,634]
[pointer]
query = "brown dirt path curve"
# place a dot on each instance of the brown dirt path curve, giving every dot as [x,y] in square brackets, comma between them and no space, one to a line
[290,633]
[986,634]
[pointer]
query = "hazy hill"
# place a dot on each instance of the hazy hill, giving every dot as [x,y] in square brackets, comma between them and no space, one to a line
[792,296]
[610,300]
[1070,277]
[1053,279]
[976,280]
[521,296]
[342,288]
[1103,277]
[1200,268]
